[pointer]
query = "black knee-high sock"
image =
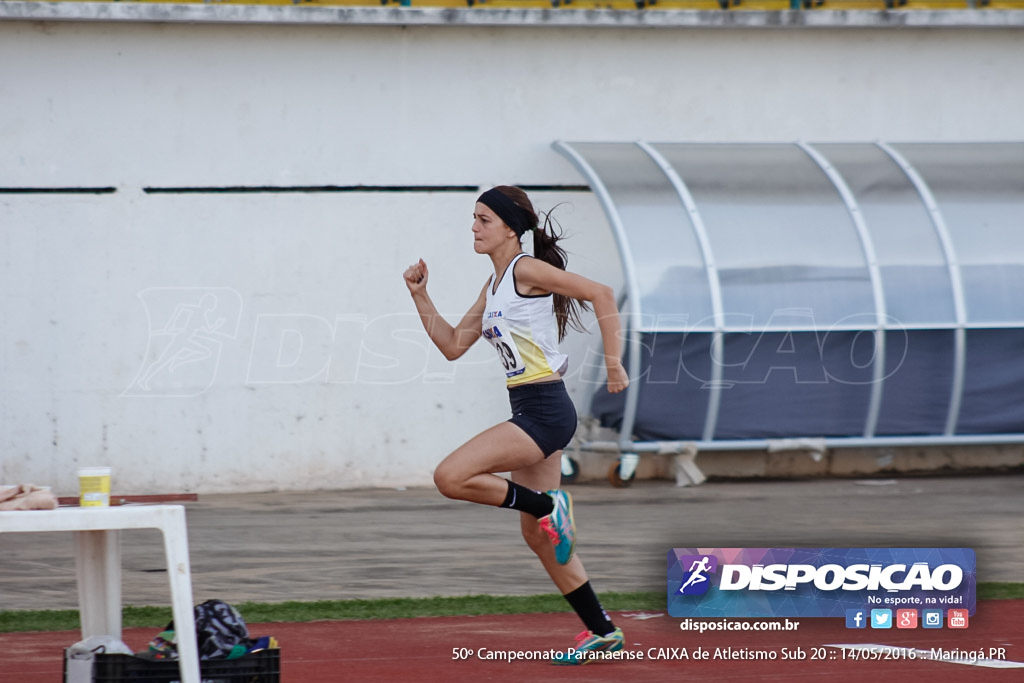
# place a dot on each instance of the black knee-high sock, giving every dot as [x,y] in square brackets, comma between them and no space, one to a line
[527,500]
[589,609]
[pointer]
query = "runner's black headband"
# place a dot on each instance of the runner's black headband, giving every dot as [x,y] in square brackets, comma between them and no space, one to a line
[507,210]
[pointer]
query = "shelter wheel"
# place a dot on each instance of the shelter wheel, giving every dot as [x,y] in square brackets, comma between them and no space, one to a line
[616,478]
[570,469]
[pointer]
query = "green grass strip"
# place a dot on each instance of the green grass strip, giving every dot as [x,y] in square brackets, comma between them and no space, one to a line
[1000,591]
[390,608]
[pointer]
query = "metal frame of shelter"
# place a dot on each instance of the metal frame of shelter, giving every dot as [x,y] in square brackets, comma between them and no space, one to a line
[933,234]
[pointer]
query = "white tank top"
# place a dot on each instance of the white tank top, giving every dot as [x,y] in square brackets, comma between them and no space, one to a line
[522,329]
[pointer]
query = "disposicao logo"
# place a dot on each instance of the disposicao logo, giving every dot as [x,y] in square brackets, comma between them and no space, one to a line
[696,580]
[818,582]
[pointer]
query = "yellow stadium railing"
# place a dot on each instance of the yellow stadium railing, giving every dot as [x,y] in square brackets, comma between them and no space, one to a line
[630,5]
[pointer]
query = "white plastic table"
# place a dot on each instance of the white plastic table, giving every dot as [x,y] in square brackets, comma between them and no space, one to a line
[97,537]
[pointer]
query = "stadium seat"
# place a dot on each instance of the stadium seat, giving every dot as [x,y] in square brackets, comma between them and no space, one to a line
[439,3]
[691,4]
[603,4]
[355,3]
[848,4]
[351,3]
[933,4]
[523,4]
[760,5]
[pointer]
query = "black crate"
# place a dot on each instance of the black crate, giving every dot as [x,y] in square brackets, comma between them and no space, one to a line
[262,666]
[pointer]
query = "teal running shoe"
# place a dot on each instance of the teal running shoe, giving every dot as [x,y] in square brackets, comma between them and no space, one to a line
[560,526]
[587,645]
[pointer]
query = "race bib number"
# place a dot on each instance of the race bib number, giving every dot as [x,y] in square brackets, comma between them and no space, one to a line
[507,351]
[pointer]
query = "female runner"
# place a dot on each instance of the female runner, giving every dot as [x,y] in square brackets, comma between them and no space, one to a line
[524,311]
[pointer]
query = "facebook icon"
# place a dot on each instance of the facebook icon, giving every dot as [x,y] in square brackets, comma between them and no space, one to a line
[856,618]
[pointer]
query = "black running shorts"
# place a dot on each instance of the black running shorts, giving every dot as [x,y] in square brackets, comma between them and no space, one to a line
[545,412]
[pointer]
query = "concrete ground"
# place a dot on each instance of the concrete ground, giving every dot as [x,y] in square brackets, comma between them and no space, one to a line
[334,545]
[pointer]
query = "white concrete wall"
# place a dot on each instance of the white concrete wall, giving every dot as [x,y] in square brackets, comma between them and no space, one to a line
[310,370]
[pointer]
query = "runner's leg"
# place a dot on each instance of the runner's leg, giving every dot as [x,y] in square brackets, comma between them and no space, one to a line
[468,473]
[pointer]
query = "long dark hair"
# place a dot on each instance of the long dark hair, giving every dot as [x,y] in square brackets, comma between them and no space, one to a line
[546,237]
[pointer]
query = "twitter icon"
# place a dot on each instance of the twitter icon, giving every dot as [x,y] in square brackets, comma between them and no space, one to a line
[881,618]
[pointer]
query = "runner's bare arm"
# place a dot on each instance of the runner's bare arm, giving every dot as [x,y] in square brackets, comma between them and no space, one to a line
[451,341]
[534,276]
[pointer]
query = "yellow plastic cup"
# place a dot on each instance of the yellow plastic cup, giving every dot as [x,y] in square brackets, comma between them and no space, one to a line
[94,487]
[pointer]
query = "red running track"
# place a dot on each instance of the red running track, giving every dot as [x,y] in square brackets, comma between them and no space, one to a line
[431,650]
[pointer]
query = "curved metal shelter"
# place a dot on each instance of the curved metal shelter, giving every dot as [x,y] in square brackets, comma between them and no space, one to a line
[860,293]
